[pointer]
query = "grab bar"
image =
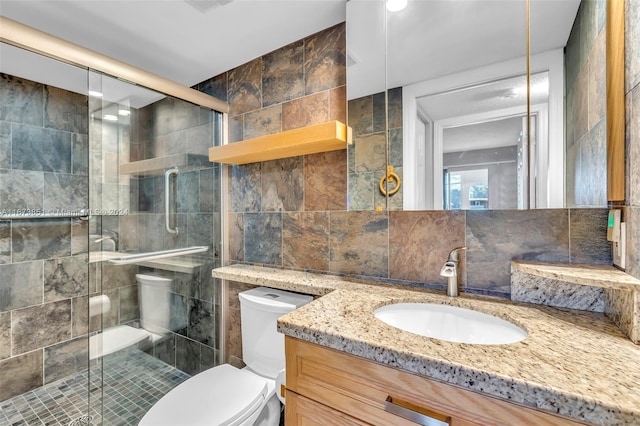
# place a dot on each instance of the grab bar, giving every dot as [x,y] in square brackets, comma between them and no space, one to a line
[18,214]
[167,201]
[153,255]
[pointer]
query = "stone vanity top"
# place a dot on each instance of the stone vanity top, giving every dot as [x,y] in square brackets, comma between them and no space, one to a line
[574,363]
[592,275]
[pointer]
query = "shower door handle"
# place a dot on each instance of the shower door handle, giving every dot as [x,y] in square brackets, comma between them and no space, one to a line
[168,198]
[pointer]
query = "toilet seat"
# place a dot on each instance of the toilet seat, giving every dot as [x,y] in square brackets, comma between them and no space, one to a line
[223,395]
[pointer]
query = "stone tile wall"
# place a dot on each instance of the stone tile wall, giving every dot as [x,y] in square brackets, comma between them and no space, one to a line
[367,157]
[297,85]
[159,130]
[586,124]
[44,277]
[292,213]
[412,246]
[632,91]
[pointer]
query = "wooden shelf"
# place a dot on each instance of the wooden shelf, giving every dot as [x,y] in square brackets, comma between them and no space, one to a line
[157,166]
[329,136]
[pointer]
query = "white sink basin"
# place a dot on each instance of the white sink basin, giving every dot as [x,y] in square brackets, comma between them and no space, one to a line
[450,323]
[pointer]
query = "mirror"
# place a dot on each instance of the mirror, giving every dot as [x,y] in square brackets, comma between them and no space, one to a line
[454,82]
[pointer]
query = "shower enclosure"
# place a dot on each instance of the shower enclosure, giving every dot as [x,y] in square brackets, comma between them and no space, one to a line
[109,227]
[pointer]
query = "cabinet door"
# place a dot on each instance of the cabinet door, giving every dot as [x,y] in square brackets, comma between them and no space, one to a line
[301,411]
[362,389]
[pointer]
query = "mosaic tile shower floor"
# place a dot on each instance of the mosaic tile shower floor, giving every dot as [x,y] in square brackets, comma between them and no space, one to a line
[133,382]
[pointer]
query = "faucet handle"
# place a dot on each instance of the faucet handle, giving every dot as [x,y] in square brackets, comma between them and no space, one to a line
[449,270]
[453,254]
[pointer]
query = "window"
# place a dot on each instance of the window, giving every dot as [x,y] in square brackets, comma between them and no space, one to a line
[466,189]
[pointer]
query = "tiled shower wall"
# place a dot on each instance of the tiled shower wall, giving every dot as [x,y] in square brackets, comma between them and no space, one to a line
[586,121]
[632,91]
[45,281]
[43,263]
[167,129]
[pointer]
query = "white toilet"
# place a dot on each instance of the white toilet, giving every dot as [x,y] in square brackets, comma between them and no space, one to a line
[154,294]
[225,395]
[155,304]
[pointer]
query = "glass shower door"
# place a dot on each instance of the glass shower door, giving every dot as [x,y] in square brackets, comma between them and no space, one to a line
[155,236]
[43,240]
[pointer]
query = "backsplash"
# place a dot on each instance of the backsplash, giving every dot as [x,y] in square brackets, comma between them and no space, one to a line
[412,246]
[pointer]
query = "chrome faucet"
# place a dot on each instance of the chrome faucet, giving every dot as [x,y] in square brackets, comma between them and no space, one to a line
[109,240]
[450,270]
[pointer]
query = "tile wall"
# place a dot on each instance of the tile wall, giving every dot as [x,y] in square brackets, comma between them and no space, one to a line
[632,91]
[45,160]
[44,277]
[292,213]
[165,129]
[367,158]
[586,124]
[300,84]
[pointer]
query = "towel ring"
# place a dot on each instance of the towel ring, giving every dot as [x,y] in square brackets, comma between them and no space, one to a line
[390,178]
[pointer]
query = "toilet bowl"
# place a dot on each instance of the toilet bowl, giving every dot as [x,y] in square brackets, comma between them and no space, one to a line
[229,396]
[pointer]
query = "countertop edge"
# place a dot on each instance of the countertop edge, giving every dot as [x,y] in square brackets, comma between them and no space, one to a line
[605,276]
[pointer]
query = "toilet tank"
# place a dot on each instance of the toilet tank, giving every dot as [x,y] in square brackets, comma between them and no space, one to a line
[154,294]
[262,345]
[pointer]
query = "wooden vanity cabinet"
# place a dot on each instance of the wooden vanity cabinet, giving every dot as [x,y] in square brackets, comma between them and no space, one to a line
[328,387]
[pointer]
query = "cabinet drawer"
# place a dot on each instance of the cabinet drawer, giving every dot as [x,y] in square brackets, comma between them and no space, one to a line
[301,411]
[360,388]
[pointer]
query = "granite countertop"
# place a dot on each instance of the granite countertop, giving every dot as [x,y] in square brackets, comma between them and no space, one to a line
[574,363]
[605,276]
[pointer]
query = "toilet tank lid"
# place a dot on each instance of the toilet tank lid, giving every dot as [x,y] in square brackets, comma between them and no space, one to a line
[273,300]
[152,278]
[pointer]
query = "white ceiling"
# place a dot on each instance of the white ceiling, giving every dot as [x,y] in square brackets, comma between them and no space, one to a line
[490,134]
[433,38]
[474,101]
[496,95]
[173,39]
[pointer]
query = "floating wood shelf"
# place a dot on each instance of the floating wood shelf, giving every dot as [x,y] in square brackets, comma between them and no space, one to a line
[157,166]
[329,136]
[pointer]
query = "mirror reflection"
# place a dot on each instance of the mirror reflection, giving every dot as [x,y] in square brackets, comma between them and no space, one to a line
[455,92]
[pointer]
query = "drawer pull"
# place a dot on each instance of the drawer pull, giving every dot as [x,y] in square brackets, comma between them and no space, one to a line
[415,413]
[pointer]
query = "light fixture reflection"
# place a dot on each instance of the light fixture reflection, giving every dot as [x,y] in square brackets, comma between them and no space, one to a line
[396,5]
[124,112]
[110,117]
[95,94]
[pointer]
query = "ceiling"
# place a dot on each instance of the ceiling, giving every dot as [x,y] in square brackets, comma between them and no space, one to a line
[485,135]
[178,41]
[433,38]
[492,96]
[174,39]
